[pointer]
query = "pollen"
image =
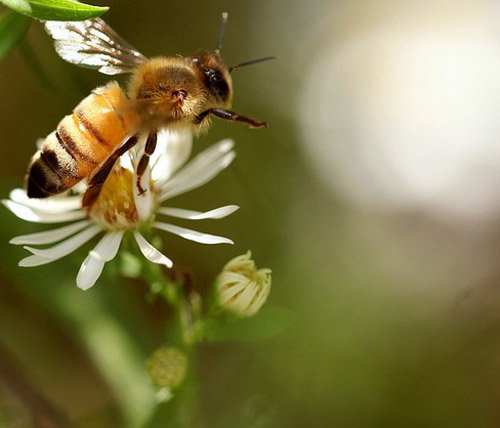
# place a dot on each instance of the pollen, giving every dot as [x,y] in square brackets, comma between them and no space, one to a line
[115,207]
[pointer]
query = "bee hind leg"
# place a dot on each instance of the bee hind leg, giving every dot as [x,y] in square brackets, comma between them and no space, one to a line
[143,162]
[97,181]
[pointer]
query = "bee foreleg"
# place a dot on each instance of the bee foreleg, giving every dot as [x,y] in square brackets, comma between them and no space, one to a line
[230,115]
[97,181]
[143,162]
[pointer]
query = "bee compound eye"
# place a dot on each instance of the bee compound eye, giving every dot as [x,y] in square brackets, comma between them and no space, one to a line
[216,83]
[214,76]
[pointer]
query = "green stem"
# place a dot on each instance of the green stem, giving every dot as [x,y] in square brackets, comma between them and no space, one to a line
[187,395]
[175,288]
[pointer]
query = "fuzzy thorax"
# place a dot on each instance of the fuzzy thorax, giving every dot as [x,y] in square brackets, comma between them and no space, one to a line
[176,91]
[167,91]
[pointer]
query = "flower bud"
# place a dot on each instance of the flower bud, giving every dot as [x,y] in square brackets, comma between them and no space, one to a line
[167,366]
[241,287]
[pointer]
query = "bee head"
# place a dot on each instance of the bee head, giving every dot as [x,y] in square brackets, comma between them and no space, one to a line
[215,76]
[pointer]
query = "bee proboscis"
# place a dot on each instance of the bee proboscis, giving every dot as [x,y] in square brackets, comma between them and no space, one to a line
[172,92]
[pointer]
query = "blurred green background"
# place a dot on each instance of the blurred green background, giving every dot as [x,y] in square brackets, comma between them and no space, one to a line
[373,197]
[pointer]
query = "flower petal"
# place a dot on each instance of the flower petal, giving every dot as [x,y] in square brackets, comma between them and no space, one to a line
[249,294]
[49,236]
[89,272]
[261,297]
[150,252]
[126,161]
[193,178]
[143,200]
[205,160]
[56,204]
[172,150]
[231,289]
[197,215]
[31,214]
[32,260]
[192,235]
[108,246]
[68,246]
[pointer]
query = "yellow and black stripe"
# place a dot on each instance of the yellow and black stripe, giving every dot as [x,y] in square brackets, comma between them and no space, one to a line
[81,142]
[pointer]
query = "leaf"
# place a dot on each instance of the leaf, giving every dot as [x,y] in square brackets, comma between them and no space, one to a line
[13,27]
[55,10]
[267,323]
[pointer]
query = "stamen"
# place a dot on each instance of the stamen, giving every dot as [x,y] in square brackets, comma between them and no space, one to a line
[115,207]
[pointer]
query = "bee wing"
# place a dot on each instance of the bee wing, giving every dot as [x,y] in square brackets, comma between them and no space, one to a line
[93,44]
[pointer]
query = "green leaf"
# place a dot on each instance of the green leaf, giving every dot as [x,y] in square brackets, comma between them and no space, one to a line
[13,27]
[267,323]
[55,10]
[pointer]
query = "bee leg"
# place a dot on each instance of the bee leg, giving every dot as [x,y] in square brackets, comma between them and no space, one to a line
[97,181]
[143,162]
[230,115]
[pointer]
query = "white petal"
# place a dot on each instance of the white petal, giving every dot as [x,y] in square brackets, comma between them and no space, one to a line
[68,246]
[172,150]
[126,161]
[37,216]
[49,236]
[55,204]
[194,177]
[89,272]
[204,160]
[80,188]
[248,295]
[197,215]
[135,152]
[200,162]
[233,277]
[108,246]
[150,252]
[229,290]
[261,297]
[34,261]
[143,201]
[192,235]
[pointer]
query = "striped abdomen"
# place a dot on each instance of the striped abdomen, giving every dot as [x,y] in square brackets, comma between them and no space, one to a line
[81,141]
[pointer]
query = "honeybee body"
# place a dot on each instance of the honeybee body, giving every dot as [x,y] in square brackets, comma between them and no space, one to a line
[81,141]
[164,92]
[174,91]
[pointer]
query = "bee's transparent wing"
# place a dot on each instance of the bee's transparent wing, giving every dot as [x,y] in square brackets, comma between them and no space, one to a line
[93,44]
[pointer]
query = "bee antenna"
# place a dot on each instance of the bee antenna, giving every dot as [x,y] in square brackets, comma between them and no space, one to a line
[220,36]
[254,61]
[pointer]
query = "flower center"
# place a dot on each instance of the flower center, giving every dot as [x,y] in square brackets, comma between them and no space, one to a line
[115,206]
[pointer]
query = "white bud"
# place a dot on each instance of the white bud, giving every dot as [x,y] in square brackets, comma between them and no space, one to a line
[241,287]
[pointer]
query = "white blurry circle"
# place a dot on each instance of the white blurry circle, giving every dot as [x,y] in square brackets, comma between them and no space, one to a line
[405,110]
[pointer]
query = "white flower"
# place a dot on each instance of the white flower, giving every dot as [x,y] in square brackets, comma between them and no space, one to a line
[120,208]
[241,287]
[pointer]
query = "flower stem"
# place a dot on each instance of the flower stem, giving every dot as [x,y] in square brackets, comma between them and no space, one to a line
[176,291]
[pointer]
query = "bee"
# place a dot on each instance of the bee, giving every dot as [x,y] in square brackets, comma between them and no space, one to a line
[172,92]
